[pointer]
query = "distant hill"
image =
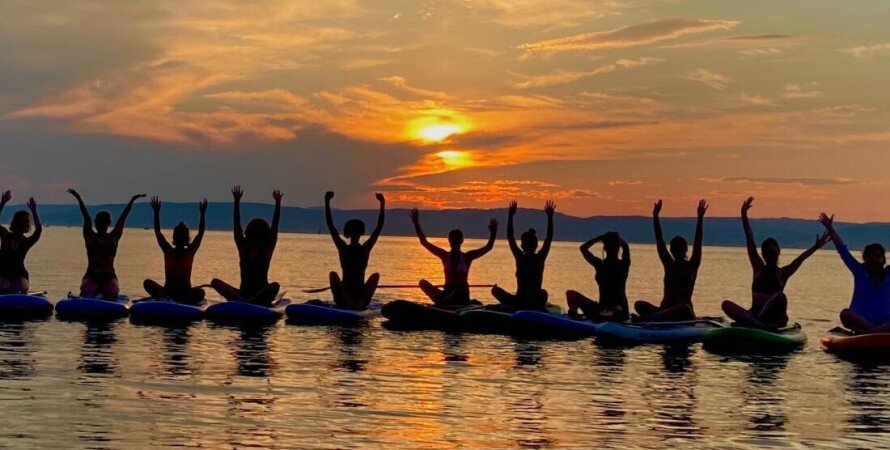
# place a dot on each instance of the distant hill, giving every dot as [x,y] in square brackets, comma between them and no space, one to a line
[719,231]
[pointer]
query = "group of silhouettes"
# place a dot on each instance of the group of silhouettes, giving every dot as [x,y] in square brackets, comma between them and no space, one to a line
[869,310]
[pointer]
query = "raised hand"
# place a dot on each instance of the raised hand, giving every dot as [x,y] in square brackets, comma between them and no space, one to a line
[493,226]
[277,195]
[549,208]
[380,198]
[155,204]
[32,205]
[137,197]
[6,197]
[237,193]
[513,207]
[656,210]
[747,205]
[702,208]
[827,221]
[415,216]
[328,196]
[72,192]
[202,207]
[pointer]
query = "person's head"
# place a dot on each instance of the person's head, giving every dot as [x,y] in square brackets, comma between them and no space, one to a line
[21,222]
[181,237]
[103,221]
[354,229]
[257,231]
[770,251]
[875,258]
[456,239]
[611,244]
[679,247]
[529,241]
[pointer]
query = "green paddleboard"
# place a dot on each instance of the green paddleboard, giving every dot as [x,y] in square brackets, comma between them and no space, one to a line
[744,340]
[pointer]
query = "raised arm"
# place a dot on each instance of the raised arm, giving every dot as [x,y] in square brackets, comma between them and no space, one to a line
[238,232]
[38,226]
[842,250]
[663,254]
[791,268]
[202,225]
[492,236]
[87,221]
[4,199]
[511,235]
[276,218]
[437,251]
[695,260]
[329,219]
[549,208]
[156,214]
[118,230]
[591,259]
[753,257]
[381,218]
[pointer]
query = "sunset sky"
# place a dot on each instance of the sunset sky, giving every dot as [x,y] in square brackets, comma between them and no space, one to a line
[604,106]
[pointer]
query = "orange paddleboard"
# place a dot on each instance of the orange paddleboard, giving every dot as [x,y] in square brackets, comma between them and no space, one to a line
[857,345]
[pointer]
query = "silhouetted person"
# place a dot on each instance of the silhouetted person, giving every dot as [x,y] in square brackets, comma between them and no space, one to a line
[529,265]
[178,260]
[768,302]
[255,246]
[680,272]
[455,262]
[14,246]
[869,310]
[352,291]
[101,244]
[611,277]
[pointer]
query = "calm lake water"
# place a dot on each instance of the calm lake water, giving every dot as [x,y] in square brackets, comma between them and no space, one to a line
[122,386]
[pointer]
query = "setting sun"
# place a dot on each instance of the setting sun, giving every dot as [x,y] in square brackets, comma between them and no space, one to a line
[438,133]
[437,126]
[456,159]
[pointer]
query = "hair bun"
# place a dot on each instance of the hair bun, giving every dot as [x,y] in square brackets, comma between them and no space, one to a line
[532,232]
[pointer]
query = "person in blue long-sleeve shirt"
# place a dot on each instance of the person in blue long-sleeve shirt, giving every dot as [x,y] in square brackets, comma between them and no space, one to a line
[869,311]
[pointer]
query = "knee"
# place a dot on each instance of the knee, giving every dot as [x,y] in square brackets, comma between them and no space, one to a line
[199,294]
[728,306]
[572,294]
[423,284]
[334,278]
[274,286]
[216,283]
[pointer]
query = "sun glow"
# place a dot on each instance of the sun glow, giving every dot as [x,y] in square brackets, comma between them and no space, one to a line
[438,126]
[455,159]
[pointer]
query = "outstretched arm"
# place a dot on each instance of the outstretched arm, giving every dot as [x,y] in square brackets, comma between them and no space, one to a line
[381,218]
[790,269]
[695,260]
[663,253]
[156,208]
[118,230]
[87,221]
[753,257]
[38,226]
[549,208]
[329,218]
[238,232]
[437,251]
[511,235]
[842,250]
[202,225]
[492,236]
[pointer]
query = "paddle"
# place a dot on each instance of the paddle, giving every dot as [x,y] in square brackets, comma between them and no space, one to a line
[393,286]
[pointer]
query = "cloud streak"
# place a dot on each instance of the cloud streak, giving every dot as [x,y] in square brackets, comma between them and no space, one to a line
[629,36]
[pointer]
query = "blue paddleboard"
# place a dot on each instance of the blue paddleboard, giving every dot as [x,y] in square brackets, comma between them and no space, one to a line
[92,309]
[328,314]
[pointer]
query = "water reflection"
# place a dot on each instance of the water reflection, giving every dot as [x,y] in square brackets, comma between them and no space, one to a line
[868,392]
[96,354]
[349,344]
[176,356]
[16,348]
[527,412]
[672,394]
[251,351]
[608,400]
[764,397]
